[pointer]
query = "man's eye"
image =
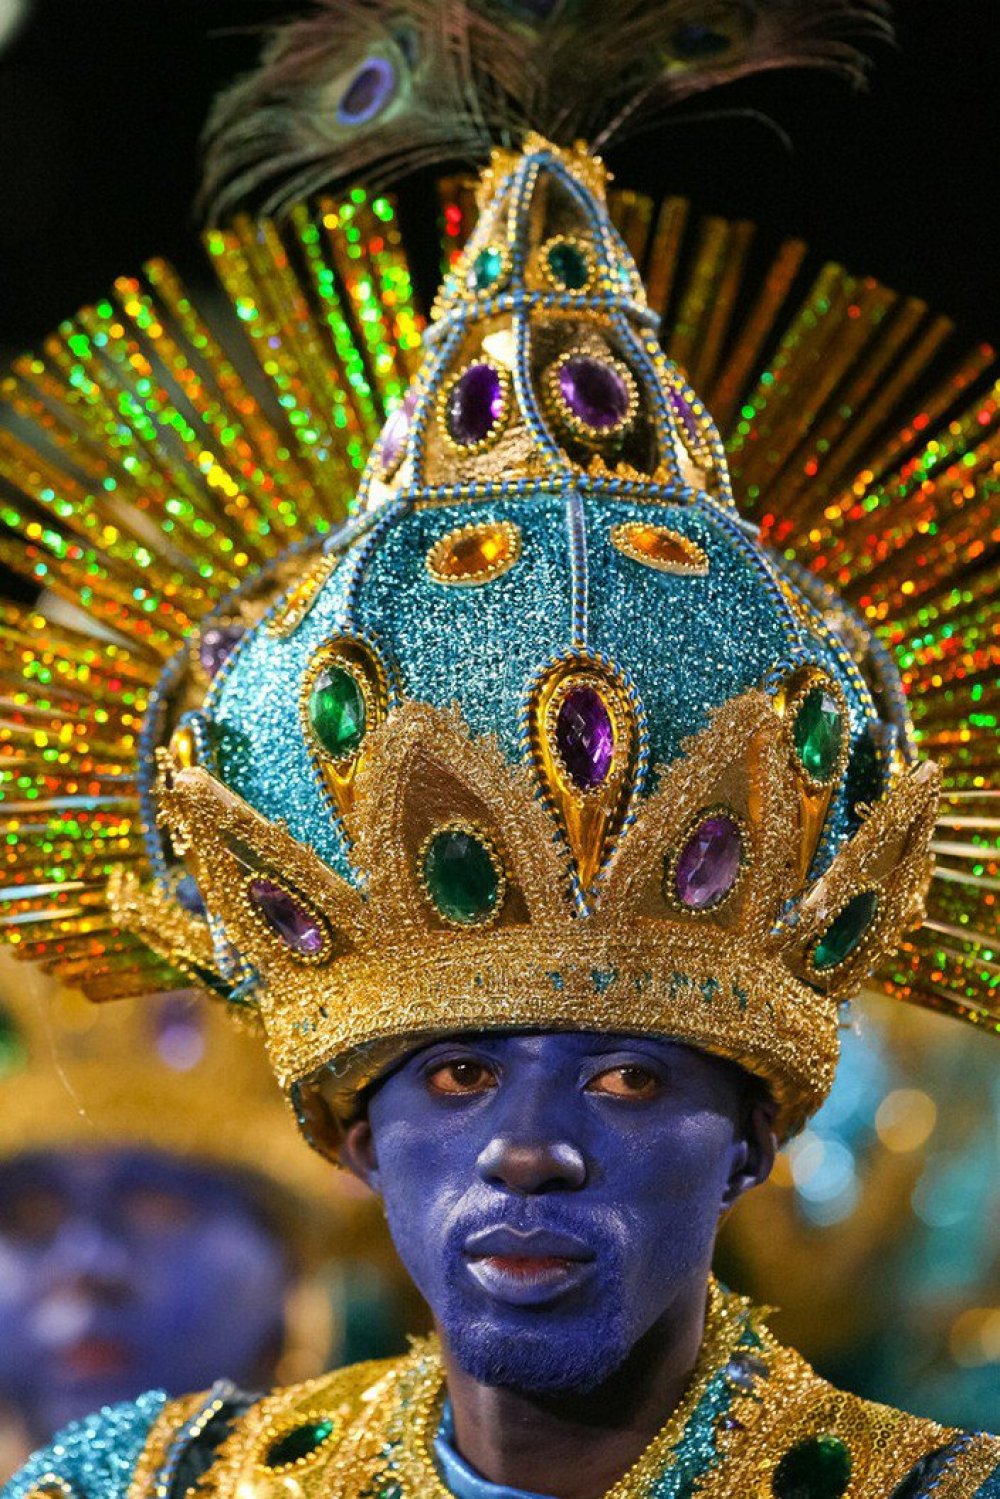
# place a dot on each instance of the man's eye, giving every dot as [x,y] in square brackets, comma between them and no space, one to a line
[626,1082]
[462,1077]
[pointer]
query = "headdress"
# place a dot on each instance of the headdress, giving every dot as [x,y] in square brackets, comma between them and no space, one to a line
[545,705]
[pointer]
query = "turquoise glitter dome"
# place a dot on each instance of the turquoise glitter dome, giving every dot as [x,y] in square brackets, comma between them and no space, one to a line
[688,642]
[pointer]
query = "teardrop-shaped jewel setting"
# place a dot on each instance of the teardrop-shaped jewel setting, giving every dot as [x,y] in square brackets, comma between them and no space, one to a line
[584,737]
[846,932]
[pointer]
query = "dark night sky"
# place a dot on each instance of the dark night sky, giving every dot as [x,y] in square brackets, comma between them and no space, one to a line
[101,103]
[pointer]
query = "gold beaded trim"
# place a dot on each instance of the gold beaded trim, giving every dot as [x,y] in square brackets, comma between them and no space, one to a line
[301,597]
[670,892]
[438,554]
[51,1486]
[476,831]
[560,408]
[493,436]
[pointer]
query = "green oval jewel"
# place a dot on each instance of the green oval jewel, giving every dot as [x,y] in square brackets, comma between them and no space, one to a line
[337,711]
[461,877]
[818,1468]
[568,266]
[845,931]
[818,732]
[13,1053]
[487,268]
[300,1442]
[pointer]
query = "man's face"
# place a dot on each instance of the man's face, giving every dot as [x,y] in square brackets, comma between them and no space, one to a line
[554,1195]
[122,1271]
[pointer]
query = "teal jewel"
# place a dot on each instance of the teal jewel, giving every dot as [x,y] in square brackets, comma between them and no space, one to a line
[863,780]
[461,877]
[818,1468]
[486,269]
[337,711]
[301,1441]
[818,733]
[12,1050]
[845,931]
[568,266]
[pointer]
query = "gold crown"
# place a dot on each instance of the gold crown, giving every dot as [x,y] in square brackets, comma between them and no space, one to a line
[755,975]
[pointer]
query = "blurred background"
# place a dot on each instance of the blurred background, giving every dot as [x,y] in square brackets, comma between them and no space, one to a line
[879,1238]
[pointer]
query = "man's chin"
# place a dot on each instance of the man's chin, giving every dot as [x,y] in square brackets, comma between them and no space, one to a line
[542,1360]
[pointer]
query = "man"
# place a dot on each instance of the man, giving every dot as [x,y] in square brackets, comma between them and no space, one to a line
[542,818]
[144,1241]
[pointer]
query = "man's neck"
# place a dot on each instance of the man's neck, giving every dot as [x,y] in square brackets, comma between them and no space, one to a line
[578,1446]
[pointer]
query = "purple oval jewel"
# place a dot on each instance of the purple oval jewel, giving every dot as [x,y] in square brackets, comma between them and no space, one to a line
[396,433]
[585,737]
[475,405]
[594,391]
[216,646]
[709,863]
[296,926]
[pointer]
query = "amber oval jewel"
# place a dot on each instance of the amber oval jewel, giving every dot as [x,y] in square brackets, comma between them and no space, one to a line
[846,931]
[818,733]
[568,265]
[709,863]
[585,737]
[337,711]
[475,554]
[660,547]
[302,1441]
[297,927]
[462,877]
[475,405]
[817,1468]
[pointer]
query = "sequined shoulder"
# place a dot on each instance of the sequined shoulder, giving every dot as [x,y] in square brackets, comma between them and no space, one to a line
[94,1458]
[298,1428]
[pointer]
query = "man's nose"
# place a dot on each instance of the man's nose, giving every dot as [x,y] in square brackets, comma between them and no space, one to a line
[86,1252]
[527,1166]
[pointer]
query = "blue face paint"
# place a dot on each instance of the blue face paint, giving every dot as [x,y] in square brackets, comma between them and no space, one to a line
[124,1271]
[553,1195]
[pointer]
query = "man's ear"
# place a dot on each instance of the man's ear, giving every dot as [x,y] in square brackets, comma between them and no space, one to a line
[755,1151]
[357,1152]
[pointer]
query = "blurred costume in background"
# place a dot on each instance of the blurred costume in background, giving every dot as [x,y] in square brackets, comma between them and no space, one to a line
[444,686]
[159,1221]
